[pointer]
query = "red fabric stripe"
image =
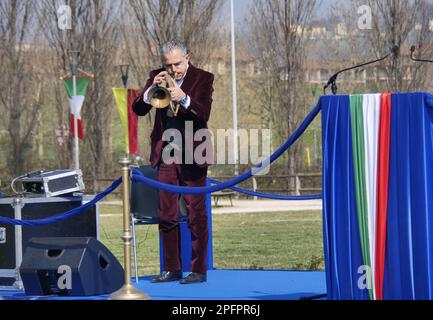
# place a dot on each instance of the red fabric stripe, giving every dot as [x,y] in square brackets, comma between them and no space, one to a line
[80,128]
[132,122]
[382,191]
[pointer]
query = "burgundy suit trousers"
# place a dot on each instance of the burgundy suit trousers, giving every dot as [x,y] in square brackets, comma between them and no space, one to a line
[183,175]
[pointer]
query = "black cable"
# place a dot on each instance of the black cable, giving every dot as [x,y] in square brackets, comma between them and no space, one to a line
[145,237]
[110,240]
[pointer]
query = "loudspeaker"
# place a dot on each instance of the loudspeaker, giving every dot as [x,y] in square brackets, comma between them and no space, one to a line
[80,266]
[16,239]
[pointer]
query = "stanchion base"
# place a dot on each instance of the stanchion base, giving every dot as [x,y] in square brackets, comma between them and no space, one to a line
[128,292]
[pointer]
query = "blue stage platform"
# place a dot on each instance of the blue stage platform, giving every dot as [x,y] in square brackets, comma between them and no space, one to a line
[221,285]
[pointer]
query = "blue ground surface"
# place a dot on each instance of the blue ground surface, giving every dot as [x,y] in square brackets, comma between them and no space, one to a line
[221,285]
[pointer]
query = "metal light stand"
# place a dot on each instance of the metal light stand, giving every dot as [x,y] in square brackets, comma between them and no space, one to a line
[128,291]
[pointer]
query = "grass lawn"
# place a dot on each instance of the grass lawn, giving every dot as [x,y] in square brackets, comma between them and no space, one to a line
[280,240]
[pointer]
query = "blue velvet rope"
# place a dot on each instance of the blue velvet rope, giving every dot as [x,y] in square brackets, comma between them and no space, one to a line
[270,196]
[138,176]
[67,215]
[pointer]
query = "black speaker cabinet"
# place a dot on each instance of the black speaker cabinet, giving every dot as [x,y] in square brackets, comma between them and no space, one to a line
[145,199]
[69,267]
[14,239]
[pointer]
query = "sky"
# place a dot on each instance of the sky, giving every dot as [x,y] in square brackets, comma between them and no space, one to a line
[241,6]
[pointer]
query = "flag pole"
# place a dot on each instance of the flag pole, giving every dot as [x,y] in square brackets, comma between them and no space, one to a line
[235,111]
[74,72]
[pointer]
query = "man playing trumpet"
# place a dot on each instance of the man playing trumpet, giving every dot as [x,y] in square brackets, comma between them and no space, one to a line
[191,99]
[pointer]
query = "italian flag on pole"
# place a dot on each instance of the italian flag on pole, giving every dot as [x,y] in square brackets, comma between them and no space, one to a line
[76,101]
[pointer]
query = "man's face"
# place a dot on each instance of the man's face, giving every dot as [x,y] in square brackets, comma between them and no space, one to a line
[176,63]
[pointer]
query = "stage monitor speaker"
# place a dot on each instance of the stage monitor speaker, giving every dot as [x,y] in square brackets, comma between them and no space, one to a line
[80,266]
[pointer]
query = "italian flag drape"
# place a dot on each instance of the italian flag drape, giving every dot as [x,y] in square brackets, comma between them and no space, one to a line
[76,101]
[124,99]
[370,117]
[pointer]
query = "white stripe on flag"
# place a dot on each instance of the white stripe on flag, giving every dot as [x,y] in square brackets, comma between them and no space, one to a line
[371,115]
[76,103]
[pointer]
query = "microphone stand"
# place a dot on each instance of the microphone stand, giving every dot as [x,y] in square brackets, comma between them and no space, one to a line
[333,80]
[412,50]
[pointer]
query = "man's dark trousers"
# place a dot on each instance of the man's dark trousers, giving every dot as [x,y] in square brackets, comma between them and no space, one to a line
[191,176]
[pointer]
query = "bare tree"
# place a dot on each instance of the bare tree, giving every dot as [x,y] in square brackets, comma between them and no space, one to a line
[146,24]
[20,92]
[58,42]
[103,43]
[394,23]
[153,22]
[95,34]
[279,41]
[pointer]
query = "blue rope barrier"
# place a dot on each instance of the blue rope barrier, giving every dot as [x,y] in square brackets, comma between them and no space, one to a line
[270,196]
[229,184]
[67,215]
[138,176]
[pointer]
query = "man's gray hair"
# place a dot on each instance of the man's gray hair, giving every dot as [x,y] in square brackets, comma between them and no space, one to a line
[173,45]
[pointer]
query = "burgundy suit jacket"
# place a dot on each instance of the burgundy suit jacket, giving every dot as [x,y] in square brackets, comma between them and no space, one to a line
[198,85]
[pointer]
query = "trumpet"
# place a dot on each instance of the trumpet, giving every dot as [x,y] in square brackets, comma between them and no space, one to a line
[159,96]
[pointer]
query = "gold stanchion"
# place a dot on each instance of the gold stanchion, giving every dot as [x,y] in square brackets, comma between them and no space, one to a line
[128,291]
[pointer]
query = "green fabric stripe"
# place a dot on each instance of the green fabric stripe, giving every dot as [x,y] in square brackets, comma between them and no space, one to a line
[81,86]
[357,125]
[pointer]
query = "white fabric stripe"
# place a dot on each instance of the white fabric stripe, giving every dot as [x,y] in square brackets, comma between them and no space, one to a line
[371,117]
[75,104]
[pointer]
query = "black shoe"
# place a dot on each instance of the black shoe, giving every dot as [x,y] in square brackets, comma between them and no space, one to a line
[168,276]
[193,277]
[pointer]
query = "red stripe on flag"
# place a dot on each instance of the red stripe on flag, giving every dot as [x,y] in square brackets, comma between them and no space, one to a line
[382,190]
[132,122]
[80,128]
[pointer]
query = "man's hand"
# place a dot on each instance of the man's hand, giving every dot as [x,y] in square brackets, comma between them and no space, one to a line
[159,78]
[177,94]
